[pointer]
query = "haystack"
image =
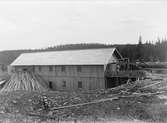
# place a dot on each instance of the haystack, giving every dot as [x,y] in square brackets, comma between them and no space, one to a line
[25,81]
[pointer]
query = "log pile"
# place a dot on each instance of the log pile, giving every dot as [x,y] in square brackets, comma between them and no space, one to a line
[25,81]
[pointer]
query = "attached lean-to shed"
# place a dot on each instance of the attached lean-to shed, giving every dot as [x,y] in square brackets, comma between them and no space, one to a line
[71,69]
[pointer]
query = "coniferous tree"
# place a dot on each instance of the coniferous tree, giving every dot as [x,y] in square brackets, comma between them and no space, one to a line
[139,49]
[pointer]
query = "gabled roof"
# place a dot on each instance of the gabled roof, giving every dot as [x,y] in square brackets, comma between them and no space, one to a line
[69,57]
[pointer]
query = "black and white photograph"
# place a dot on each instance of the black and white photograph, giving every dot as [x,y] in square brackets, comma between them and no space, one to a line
[83,61]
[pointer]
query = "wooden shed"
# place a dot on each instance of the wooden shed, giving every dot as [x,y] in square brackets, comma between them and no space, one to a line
[72,69]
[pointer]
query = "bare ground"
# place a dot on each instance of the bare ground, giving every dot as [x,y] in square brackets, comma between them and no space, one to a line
[143,101]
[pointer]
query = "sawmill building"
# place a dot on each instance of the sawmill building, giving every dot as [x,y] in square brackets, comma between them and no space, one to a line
[72,69]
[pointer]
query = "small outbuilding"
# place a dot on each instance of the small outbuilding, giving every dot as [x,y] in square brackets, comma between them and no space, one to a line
[72,69]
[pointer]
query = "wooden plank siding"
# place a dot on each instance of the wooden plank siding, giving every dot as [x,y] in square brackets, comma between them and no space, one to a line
[91,76]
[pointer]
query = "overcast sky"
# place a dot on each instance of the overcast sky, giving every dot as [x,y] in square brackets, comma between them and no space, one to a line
[26,24]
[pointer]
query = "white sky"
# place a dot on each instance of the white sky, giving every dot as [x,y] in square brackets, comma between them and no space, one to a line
[26,24]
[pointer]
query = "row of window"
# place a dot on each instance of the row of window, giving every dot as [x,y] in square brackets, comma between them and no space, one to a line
[63,68]
[64,84]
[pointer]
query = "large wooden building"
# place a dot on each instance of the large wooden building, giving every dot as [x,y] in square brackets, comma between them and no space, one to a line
[72,69]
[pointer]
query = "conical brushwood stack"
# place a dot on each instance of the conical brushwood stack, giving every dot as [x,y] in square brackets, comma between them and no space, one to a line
[25,81]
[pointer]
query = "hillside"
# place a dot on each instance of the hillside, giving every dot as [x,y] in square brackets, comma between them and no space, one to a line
[7,57]
[144,52]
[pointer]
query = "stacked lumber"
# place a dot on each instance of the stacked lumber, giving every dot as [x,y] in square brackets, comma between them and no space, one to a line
[25,81]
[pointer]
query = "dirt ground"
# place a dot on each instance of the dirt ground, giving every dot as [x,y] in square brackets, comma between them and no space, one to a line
[139,102]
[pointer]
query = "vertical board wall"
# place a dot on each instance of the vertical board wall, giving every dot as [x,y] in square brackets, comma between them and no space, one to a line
[91,76]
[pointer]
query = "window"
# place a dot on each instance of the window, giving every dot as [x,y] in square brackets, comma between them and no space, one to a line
[39,68]
[50,84]
[63,69]
[64,84]
[24,69]
[50,68]
[79,69]
[79,84]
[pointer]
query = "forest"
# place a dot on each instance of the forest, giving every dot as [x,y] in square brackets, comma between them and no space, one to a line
[147,51]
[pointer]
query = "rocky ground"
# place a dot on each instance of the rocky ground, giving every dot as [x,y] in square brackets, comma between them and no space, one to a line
[141,101]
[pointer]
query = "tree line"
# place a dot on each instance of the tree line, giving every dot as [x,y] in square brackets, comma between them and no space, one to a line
[147,51]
